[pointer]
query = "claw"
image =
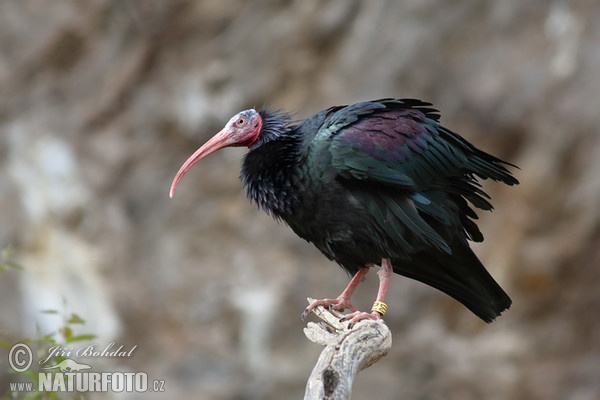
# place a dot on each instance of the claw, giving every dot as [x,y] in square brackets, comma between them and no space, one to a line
[304,314]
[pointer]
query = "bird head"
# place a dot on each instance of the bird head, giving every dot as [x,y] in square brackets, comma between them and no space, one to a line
[241,130]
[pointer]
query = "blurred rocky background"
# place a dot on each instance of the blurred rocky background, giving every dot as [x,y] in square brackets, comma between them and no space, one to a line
[102,100]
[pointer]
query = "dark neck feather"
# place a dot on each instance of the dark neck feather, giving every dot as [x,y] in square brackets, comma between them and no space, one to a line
[269,168]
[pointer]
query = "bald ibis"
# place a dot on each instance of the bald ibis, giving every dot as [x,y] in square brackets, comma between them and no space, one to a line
[373,183]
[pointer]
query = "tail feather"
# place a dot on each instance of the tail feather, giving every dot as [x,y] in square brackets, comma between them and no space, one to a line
[462,276]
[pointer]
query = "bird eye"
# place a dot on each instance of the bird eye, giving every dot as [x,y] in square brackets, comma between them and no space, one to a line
[241,121]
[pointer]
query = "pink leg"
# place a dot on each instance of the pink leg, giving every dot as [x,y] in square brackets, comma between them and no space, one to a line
[384,275]
[343,300]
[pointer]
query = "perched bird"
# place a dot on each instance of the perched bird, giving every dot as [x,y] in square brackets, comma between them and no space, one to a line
[373,183]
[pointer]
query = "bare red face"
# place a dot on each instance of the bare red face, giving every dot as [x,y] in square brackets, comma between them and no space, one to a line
[241,130]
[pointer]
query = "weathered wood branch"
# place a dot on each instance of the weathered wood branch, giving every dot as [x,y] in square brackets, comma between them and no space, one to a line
[346,353]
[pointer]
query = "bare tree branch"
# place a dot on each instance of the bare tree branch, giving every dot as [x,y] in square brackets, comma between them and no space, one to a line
[346,353]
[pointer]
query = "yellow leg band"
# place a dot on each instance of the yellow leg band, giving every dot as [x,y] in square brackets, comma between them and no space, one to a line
[380,307]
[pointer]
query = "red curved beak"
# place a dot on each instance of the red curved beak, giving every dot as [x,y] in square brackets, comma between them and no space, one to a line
[217,142]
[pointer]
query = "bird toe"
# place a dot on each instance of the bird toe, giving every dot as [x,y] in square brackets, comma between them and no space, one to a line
[337,304]
[357,316]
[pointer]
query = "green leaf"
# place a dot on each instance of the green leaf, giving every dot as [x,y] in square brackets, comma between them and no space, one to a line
[8,251]
[49,311]
[67,332]
[12,265]
[75,319]
[80,338]
[5,263]
[49,338]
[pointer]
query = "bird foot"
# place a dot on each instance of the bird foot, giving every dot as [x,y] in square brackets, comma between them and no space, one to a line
[337,304]
[357,316]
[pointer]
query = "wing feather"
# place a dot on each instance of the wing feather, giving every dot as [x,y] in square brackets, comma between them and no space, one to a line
[400,145]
